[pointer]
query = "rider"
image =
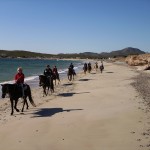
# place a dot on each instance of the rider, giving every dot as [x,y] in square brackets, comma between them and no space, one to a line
[85,67]
[72,68]
[48,72]
[19,79]
[71,65]
[55,71]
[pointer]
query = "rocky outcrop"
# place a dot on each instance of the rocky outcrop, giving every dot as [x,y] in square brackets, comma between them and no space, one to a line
[142,60]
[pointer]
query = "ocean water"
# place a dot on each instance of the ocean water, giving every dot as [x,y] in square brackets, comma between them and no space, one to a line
[32,68]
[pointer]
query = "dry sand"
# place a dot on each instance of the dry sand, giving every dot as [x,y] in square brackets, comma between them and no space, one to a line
[94,112]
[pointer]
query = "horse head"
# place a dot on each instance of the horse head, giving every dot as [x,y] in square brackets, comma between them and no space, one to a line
[42,80]
[4,90]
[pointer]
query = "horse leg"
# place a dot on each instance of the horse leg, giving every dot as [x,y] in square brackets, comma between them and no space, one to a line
[101,70]
[44,91]
[24,102]
[12,107]
[27,104]
[73,76]
[16,101]
[52,86]
[68,77]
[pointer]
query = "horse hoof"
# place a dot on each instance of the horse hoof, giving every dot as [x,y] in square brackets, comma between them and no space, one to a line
[17,110]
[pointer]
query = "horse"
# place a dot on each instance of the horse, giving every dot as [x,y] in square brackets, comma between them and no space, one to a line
[101,67]
[89,68]
[46,83]
[56,77]
[71,73]
[85,68]
[15,92]
[96,66]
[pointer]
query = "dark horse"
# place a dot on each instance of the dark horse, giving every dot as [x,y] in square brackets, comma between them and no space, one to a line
[71,73]
[101,67]
[46,83]
[89,68]
[15,92]
[85,68]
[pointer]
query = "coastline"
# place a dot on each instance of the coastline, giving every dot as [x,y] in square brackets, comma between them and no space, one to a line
[95,111]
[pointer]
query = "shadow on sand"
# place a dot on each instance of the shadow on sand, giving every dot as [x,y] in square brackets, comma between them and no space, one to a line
[47,112]
[109,72]
[70,94]
[67,84]
[84,79]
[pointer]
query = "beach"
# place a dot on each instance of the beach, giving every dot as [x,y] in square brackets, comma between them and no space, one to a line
[96,111]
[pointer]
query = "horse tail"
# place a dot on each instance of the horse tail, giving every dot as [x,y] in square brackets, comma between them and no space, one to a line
[30,96]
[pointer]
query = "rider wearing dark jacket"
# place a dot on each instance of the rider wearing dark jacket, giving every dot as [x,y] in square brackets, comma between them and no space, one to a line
[48,71]
[71,65]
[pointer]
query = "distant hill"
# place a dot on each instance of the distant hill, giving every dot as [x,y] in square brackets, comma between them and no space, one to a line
[27,54]
[23,54]
[126,51]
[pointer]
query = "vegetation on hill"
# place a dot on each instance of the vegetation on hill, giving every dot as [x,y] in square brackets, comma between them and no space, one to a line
[90,55]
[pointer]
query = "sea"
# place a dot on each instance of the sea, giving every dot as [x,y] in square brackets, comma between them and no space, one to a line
[32,68]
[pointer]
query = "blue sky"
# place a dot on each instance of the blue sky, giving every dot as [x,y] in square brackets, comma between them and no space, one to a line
[74,26]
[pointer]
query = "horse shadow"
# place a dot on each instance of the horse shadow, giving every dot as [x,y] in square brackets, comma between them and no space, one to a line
[93,73]
[48,112]
[109,72]
[67,84]
[70,94]
[84,79]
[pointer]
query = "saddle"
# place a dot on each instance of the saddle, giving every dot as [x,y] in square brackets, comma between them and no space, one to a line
[18,87]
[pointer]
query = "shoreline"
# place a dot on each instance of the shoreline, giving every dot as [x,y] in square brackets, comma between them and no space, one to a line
[100,110]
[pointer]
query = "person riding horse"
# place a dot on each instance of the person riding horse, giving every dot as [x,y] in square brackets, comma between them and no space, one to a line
[85,67]
[101,67]
[55,74]
[19,79]
[89,67]
[49,75]
[48,72]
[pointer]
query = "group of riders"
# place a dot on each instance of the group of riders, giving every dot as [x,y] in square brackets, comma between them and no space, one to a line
[88,67]
[51,74]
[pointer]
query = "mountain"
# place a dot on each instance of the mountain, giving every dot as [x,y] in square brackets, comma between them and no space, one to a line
[27,54]
[123,53]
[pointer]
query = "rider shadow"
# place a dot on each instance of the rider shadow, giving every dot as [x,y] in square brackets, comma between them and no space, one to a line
[70,94]
[47,112]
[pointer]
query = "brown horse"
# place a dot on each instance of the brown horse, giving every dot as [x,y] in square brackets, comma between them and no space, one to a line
[15,92]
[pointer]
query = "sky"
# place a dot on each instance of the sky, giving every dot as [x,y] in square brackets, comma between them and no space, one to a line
[74,26]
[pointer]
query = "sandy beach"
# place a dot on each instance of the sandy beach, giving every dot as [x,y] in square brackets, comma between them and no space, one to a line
[94,112]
